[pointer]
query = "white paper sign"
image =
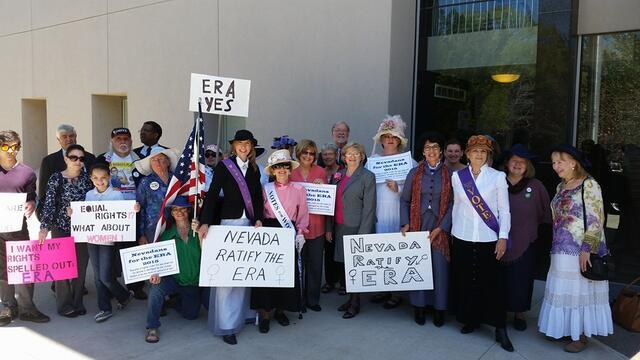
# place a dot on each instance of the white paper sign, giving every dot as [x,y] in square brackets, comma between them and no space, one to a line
[246,256]
[140,262]
[100,222]
[220,95]
[321,198]
[12,211]
[388,262]
[392,167]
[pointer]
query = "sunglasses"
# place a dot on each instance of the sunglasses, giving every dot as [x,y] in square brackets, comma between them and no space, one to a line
[75,158]
[281,166]
[209,154]
[310,153]
[6,147]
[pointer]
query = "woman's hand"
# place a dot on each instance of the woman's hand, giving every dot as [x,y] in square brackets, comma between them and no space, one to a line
[69,211]
[29,208]
[585,258]
[203,230]
[136,207]
[434,233]
[501,247]
[155,279]
[258,223]
[318,181]
[328,236]
[404,230]
[392,185]
[42,234]
[143,240]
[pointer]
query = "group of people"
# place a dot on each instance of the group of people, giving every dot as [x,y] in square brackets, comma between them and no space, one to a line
[483,267]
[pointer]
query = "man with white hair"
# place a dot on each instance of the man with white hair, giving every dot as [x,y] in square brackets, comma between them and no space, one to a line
[124,176]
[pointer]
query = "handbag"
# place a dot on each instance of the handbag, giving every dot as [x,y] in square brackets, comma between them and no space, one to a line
[599,269]
[626,308]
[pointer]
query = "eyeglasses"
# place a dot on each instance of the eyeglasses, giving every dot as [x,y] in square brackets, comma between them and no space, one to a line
[209,154]
[281,166]
[310,153]
[432,147]
[75,158]
[14,147]
[352,155]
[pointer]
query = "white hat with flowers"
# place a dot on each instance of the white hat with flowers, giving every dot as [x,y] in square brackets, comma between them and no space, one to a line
[392,125]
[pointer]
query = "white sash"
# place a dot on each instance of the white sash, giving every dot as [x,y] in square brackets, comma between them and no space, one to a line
[276,206]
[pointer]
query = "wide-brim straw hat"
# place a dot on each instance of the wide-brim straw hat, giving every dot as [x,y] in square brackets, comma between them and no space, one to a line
[479,141]
[280,157]
[394,126]
[144,165]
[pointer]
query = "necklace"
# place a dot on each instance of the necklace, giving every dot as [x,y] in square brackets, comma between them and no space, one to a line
[475,172]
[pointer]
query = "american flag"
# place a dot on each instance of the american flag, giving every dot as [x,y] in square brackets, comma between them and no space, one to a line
[186,181]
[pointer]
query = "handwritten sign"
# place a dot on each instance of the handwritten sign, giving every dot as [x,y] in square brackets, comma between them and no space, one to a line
[29,262]
[245,256]
[388,262]
[103,222]
[392,167]
[11,211]
[220,95]
[140,262]
[321,198]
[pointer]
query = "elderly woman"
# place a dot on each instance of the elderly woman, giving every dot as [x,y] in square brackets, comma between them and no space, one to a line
[355,212]
[426,205]
[391,138]
[453,155]
[529,207]
[71,184]
[239,178]
[293,199]
[329,157]
[574,305]
[308,171]
[480,228]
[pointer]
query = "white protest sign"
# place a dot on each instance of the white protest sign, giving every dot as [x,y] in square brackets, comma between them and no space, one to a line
[220,95]
[12,211]
[103,222]
[392,167]
[140,262]
[246,256]
[388,262]
[321,198]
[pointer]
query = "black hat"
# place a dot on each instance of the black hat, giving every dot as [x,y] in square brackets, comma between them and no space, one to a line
[259,150]
[575,153]
[242,135]
[120,131]
[520,151]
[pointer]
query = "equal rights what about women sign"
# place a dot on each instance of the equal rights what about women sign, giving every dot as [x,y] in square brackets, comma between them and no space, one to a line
[388,262]
[100,222]
[246,256]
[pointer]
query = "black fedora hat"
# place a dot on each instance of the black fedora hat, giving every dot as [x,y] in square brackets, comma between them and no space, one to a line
[575,153]
[242,135]
[520,151]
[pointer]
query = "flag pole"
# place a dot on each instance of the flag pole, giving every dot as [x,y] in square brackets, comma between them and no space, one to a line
[196,158]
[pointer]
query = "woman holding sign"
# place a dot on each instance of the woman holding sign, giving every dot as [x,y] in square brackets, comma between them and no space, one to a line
[355,212]
[308,171]
[391,137]
[63,187]
[481,224]
[292,198]
[426,205]
[239,178]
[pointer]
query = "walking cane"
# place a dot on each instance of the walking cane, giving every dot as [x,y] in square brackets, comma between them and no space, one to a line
[302,308]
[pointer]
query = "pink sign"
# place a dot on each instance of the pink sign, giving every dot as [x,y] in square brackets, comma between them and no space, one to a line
[29,262]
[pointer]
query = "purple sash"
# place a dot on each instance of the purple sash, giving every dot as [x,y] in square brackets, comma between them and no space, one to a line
[478,203]
[242,184]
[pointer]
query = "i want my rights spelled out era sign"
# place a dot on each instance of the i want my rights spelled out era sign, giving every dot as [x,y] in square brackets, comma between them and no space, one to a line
[220,95]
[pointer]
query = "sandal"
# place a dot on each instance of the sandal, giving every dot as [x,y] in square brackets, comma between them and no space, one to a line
[152,336]
[392,302]
[379,298]
[326,288]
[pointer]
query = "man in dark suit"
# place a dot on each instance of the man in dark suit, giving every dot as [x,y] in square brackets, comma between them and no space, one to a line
[340,135]
[150,134]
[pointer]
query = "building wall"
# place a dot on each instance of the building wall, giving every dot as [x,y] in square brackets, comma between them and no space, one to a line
[311,63]
[597,16]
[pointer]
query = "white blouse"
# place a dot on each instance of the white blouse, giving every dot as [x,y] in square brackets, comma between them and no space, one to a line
[467,224]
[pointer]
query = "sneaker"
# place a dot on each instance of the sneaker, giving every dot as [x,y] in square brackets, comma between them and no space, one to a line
[34,316]
[102,316]
[123,304]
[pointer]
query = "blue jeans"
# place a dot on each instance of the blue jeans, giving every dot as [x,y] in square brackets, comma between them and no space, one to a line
[191,297]
[106,283]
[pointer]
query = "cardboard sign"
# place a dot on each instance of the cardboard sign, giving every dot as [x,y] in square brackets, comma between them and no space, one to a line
[11,211]
[103,222]
[140,262]
[29,262]
[246,256]
[392,167]
[388,262]
[321,198]
[220,95]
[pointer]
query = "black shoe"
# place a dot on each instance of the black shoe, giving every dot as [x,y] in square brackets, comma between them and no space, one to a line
[85,291]
[6,316]
[345,306]
[81,312]
[352,312]
[70,313]
[230,339]
[281,318]
[392,302]
[438,318]
[468,328]
[34,316]
[503,339]
[419,315]
[140,294]
[314,307]
[263,326]
[519,324]
[326,288]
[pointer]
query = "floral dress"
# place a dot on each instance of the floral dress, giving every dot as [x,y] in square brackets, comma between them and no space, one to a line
[59,194]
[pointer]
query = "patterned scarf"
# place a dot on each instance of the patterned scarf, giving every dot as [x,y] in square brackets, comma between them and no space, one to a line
[441,242]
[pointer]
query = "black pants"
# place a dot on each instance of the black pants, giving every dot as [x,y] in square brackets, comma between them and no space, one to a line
[331,267]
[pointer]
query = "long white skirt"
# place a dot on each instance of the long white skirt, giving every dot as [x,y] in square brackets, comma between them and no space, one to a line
[574,305]
[229,307]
